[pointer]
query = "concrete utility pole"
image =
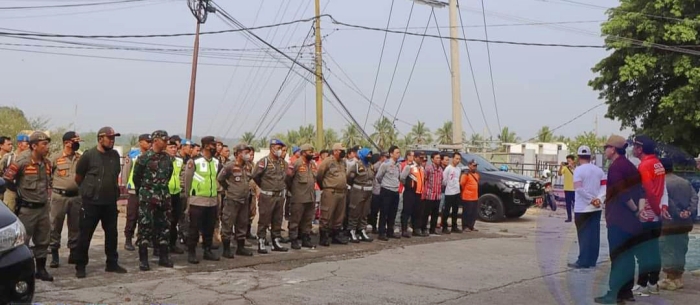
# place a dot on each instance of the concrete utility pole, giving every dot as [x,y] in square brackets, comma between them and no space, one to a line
[456,82]
[319,79]
[200,9]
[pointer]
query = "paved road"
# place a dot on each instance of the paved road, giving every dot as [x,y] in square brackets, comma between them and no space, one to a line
[517,262]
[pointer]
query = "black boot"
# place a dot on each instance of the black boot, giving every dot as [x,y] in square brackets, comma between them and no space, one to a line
[261,246]
[54,258]
[339,238]
[209,256]
[41,272]
[277,245]
[156,251]
[80,271]
[143,258]
[71,257]
[164,260]
[324,238]
[192,255]
[363,236]
[241,250]
[114,268]
[128,245]
[296,245]
[227,248]
[353,237]
[306,241]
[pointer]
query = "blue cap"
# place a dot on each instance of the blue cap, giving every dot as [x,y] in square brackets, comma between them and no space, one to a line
[295,149]
[186,142]
[276,142]
[22,138]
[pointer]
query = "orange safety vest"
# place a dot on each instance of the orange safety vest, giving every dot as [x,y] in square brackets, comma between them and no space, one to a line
[417,179]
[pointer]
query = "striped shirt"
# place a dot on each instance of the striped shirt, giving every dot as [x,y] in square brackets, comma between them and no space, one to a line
[433,182]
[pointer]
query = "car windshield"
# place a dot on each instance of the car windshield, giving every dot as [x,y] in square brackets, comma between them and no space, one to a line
[483,164]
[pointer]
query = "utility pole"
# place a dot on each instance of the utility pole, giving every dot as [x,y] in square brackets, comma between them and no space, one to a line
[319,79]
[200,9]
[456,82]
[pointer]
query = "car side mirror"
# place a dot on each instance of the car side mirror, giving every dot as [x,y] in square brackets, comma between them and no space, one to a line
[2,185]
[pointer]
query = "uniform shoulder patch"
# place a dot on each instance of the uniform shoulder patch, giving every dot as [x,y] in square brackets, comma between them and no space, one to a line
[190,164]
[261,163]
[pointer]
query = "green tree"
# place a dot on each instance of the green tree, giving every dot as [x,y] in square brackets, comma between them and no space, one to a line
[589,139]
[307,134]
[12,121]
[262,143]
[444,133]
[653,88]
[420,134]
[248,137]
[384,133]
[545,135]
[352,136]
[330,137]
[477,141]
[508,136]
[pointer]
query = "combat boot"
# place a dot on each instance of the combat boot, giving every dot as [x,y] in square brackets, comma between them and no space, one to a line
[71,257]
[227,248]
[324,238]
[295,244]
[156,250]
[54,258]
[164,260]
[339,238]
[143,258]
[306,241]
[192,255]
[41,272]
[362,235]
[261,246]
[208,255]
[128,244]
[277,245]
[241,249]
[353,237]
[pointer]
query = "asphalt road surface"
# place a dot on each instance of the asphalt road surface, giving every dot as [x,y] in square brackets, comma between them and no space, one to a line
[516,262]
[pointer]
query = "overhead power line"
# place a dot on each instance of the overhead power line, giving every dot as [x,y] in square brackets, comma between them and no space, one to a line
[488,53]
[398,58]
[381,56]
[476,88]
[571,120]
[67,5]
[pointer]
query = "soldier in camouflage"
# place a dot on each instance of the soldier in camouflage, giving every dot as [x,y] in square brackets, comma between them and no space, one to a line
[151,177]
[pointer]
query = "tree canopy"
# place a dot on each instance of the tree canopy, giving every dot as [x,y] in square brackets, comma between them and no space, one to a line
[651,80]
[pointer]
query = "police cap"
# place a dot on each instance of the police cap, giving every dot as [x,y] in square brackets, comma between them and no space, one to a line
[38,136]
[208,140]
[240,147]
[69,136]
[160,134]
[295,149]
[22,138]
[186,142]
[276,142]
[307,147]
[145,137]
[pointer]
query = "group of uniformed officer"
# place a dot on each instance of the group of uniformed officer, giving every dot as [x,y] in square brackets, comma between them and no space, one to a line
[174,194]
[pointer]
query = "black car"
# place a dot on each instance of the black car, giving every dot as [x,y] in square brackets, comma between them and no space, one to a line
[501,194]
[16,260]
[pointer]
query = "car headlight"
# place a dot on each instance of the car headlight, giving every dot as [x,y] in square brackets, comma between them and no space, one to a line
[12,236]
[514,184]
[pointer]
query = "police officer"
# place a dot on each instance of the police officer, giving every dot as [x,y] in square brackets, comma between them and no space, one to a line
[31,177]
[253,198]
[235,179]
[10,195]
[332,178]
[223,157]
[269,175]
[350,161]
[151,178]
[183,224]
[175,188]
[301,176]
[361,178]
[132,205]
[65,200]
[200,187]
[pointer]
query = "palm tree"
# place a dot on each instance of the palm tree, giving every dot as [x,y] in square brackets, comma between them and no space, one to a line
[508,136]
[444,133]
[292,138]
[545,135]
[407,141]
[248,137]
[351,136]
[477,141]
[420,134]
[306,134]
[330,137]
[262,143]
[384,133]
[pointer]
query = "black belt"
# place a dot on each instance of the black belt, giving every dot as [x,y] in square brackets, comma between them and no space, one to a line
[30,205]
[66,193]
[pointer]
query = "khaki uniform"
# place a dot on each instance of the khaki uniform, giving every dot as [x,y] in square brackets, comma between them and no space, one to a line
[10,195]
[269,174]
[301,176]
[234,178]
[332,179]
[361,177]
[33,180]
[65,200]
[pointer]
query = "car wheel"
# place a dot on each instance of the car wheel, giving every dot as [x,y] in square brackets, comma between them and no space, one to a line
[491,208]
[516,214]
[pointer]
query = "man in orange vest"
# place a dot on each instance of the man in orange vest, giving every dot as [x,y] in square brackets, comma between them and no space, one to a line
[469,183]
[413,177]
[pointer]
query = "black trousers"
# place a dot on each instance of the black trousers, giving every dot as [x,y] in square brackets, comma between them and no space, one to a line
[451,208]
[90,215]
[376,205]
[390,206]
[177,210]
[202,221]
[469,213]
[413,209]
[432,210]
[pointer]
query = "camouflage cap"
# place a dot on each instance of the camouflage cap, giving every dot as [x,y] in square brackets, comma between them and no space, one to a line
[240,147]
[38,136]
[306,147]
[160,134]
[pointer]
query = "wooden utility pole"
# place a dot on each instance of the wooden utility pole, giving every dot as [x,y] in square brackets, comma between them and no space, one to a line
[193,83]
[456,82]
[319,80]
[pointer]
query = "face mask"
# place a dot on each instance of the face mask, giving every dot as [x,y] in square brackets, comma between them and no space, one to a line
[246,157]
[212,151]
[75,146]
[309,157]
[368,158]
[278,153]
[342,154]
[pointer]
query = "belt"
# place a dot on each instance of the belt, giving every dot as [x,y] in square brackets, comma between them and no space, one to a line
[273,193]
[66,193]
[30,205]
[363,188]
[336,190]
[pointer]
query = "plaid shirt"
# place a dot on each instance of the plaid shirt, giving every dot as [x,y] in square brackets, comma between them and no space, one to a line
[433,182]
